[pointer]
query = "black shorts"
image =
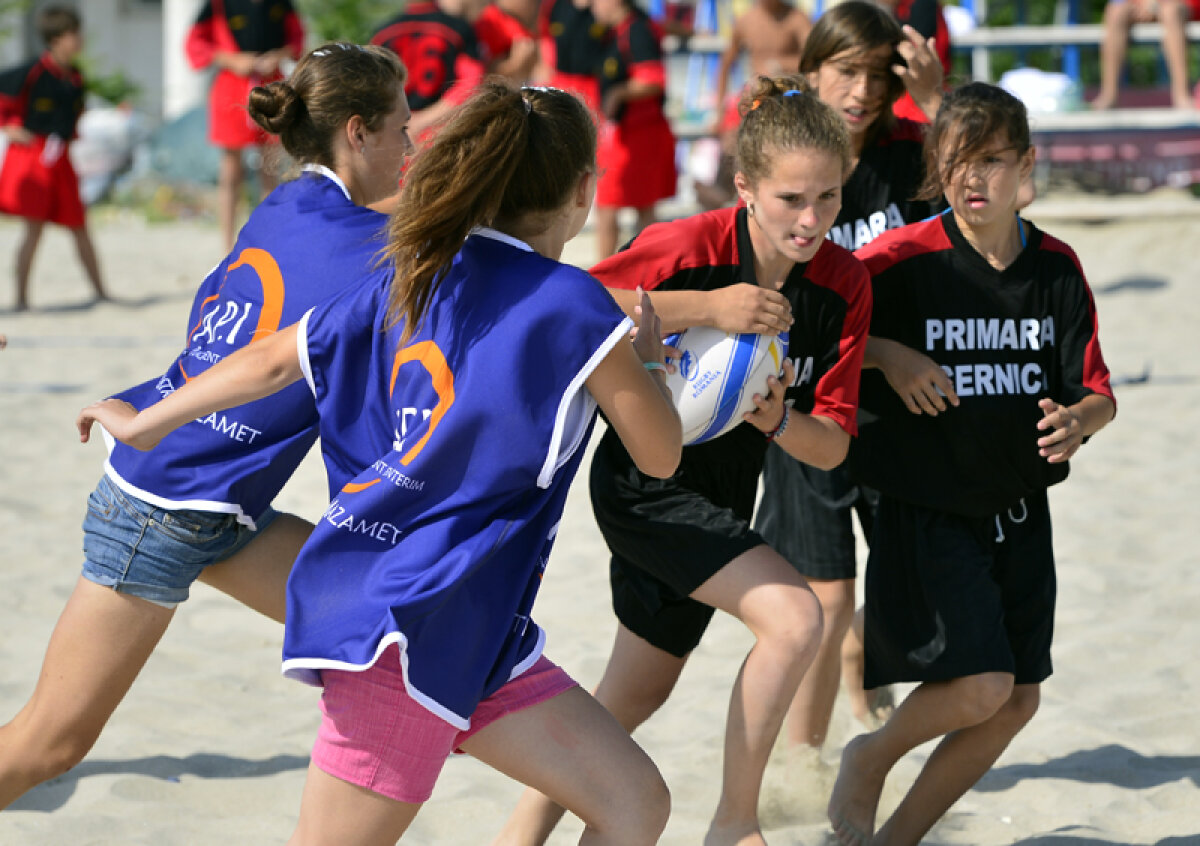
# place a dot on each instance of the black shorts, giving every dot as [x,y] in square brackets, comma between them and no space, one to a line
[667,537]
[950,596]
[806,515]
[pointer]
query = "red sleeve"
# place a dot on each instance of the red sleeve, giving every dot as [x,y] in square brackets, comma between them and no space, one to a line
[468,72]
[836,393]
[293,33]
[664,249]
[201,44]
[497,31]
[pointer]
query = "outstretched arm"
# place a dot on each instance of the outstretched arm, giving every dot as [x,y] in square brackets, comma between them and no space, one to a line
[811,438]
[915,377]
[735,308]
[251,373]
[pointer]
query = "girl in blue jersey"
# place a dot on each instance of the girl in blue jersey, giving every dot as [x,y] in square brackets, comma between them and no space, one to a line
[960,585]
[410,603]
[200,505]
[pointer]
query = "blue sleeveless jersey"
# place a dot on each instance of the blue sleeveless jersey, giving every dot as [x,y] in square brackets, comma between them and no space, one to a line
[303,243]
[440,543]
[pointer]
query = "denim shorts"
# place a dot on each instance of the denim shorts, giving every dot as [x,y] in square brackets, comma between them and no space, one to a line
[153,553]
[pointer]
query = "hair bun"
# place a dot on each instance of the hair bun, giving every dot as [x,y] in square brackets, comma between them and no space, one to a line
[275,106]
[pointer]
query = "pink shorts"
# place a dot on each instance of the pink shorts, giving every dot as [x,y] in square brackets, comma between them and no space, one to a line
[374,735]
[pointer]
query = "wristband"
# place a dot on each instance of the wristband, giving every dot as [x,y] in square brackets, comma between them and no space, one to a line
[779,430]
[654,365]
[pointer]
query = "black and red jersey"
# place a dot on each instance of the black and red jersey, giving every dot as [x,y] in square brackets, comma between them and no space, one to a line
[831,303]
[243,26]
[573,41]
[1006,339]
[879,194]
[497,30]
[440,51]
[635,52]
[42,96]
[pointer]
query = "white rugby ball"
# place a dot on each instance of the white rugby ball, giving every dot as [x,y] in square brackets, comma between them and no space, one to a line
[717,375]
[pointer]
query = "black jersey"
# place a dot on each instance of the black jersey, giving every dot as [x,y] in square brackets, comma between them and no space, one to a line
[434,46]
[256,26]
[831,302]
[1006,339]
[879,194]
[579,39]
[41,96]
[634,52]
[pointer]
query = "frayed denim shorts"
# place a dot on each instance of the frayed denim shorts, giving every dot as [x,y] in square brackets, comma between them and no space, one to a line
[154,553]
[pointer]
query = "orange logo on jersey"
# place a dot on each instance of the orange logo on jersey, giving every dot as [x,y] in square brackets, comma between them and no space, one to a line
[355,487]
[270,278]
[427,354]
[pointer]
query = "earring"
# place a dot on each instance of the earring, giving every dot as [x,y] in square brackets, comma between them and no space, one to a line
[750,209]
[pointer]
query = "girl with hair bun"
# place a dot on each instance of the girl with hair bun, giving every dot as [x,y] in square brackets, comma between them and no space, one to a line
[487,359]
[683,546]
[199,506]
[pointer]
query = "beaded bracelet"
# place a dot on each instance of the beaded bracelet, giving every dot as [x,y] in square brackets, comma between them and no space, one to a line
[778,430]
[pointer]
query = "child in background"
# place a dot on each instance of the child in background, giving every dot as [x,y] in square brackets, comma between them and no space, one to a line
[960,585]
[572,47]
[247,41]
[410,604]
[637,147]
[40,105]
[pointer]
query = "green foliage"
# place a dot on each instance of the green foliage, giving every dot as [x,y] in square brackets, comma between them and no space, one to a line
[346,20]
[115,87]
[11,7]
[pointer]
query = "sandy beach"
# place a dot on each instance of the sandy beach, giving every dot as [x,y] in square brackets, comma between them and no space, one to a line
[211,745]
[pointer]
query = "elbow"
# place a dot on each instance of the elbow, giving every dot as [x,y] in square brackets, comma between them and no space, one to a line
[834,454]
[662,461]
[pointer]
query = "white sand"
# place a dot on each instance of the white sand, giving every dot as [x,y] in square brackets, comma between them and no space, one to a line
[211,745]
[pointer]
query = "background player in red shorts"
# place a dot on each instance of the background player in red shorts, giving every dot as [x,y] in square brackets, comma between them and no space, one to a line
[1119,16]
[637,147]
[40,104]
[247,41]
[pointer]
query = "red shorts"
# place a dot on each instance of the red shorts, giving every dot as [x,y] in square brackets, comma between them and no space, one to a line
[374,735]
[637,164]
[40,184]
[229,123]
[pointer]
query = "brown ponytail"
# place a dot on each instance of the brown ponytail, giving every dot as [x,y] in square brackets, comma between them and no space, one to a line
[502,156]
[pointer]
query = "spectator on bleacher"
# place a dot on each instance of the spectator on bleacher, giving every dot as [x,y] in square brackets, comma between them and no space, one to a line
[637,147]
[436,40]
[571,47]
[505,29]
[925,16]
[807,514]
[1119,16]
[770,34]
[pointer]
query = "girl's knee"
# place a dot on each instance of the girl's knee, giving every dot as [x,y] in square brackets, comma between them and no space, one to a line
[983,695]
[640,816]
[1023,704]
[794,625]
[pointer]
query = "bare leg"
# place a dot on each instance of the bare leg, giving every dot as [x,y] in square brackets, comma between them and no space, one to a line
[230,174]
[29,245]
[98,647]
[636,682]
[1117,19]
[645,217]
[573,750]
[607,231]
[766,593]
[932,710]
[1173,16]
[257,575]
[87,257]
[871,708]
[334,813]
[958,762]
[810,711]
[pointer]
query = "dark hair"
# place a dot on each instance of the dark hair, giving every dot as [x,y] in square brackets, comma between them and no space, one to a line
[501,156]
[780,114]
[856,26]
[53,22]
[329,86]
[971,118]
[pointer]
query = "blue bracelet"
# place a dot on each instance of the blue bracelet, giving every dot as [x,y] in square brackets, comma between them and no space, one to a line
[654,365]
[778,430]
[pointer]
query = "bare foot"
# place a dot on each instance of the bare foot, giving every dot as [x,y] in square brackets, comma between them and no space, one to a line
[855,796]
[740,834]
[1103,103]
[3,341]
[1182,99]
